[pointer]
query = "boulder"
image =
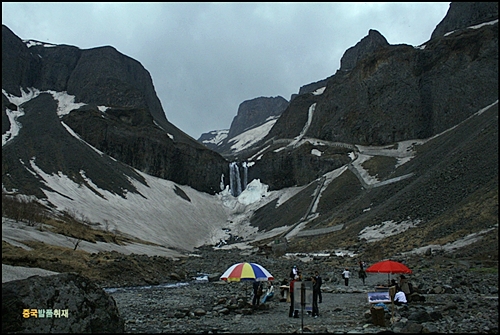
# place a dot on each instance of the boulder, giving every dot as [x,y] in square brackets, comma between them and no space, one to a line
[62,303]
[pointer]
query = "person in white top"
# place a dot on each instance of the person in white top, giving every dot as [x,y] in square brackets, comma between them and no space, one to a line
[400,298]
[346,274]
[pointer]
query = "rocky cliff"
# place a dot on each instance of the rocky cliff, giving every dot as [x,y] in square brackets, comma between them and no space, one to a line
[466,14]
[251,115]
[368,45]
[387,93]
[121,114]
[254,112]
[399,92]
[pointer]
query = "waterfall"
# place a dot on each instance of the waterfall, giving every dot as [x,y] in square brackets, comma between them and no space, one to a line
[236,183]
[221,185]
[245,175]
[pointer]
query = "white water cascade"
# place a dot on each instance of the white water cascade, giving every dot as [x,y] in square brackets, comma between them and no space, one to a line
[236,183]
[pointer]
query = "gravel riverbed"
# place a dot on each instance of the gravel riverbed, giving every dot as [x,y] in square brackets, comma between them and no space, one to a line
[457,300]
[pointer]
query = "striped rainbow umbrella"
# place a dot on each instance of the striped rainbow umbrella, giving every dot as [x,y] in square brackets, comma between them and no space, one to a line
[246,271]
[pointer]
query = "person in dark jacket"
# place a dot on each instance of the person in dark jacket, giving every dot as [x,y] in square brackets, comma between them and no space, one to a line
[362,275]
[315,308]
[319,283]
[257,293]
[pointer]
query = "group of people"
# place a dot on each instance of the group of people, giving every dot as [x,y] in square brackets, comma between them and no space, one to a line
[403,288]
[296,276]
[346,274]
[261,292]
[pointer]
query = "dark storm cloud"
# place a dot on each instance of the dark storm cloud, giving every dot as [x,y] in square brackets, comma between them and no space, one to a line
[207,58]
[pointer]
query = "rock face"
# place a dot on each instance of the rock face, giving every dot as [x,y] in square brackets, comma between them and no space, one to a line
[213,138]
[251,114]
[366,46]
[254,112]
[466,14]
[41,121]
[89,309]
[133,128]
[384,94]
[387,93]
[311,87]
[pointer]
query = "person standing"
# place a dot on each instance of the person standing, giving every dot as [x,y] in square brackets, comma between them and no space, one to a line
[320,282]
[403,284]
[362,275]
[291,312]
[346,274]
[294,272]
[257,293]
[315,308]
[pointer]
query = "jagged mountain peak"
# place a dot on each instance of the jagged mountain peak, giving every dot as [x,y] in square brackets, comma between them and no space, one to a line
[368,44]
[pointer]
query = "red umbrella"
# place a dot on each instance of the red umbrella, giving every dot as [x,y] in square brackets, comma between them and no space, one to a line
[389,267]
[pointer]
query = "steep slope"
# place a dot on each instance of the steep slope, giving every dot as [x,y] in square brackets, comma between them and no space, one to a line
[393,93]
[44,141]
[119,113]
[363,147]
[46,158]
[253,121]
[449,190]
[466,14]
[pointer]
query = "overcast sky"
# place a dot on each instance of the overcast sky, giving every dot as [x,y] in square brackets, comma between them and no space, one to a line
[207,58]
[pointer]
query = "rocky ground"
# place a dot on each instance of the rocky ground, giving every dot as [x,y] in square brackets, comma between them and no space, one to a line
[461,296]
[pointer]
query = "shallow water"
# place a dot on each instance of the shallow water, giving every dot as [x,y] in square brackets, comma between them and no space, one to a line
[138,288]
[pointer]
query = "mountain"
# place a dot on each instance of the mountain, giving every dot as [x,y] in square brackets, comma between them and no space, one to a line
[394,93]
[253,121]
[394,154]
[116,111]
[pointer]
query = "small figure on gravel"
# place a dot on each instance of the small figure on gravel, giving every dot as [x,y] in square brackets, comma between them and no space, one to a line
[362,275]
[315,308]
[292,311]
[346,274]
[320,282]
[294,272]
[257,292]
